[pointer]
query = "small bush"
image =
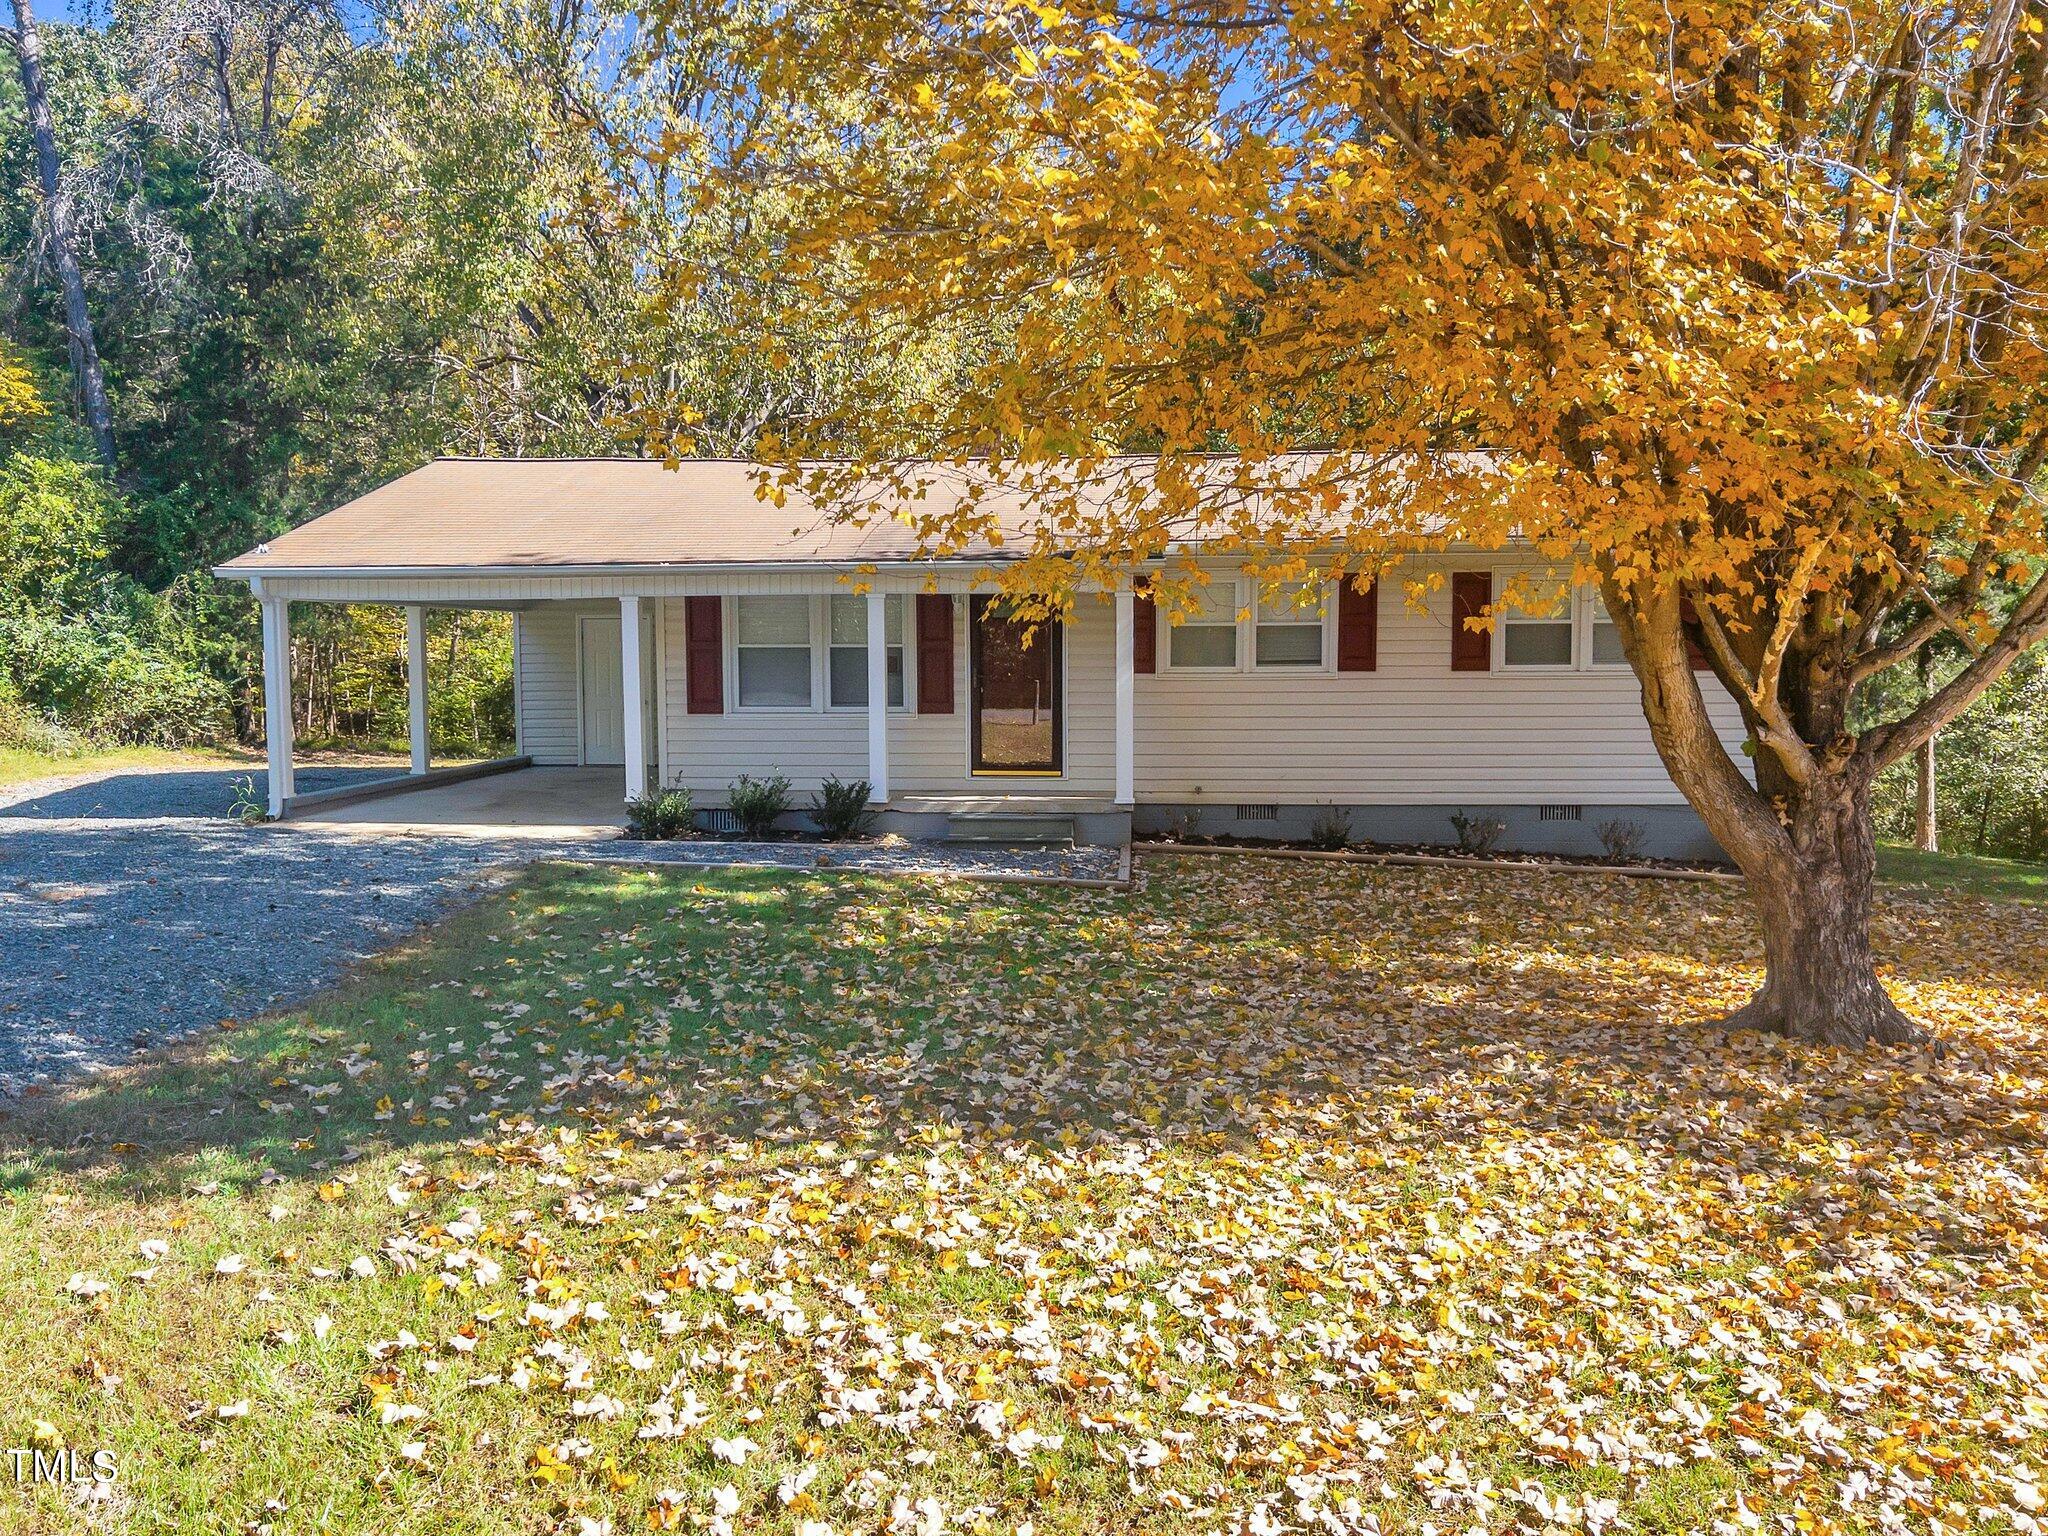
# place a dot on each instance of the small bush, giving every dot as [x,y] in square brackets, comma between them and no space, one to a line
[841,809]
[658,815]
[1477,834]
[1624,840]
[758,802]
[25,729]
[1331,830]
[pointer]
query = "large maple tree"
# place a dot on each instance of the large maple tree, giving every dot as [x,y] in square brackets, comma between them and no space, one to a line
[1735,309]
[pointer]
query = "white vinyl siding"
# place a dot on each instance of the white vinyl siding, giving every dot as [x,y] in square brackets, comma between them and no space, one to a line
[1411,732]
[544,679]
[927,753]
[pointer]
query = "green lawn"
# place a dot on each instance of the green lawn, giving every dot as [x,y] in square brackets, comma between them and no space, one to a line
[1966,874]
[17,767]
[798,1202]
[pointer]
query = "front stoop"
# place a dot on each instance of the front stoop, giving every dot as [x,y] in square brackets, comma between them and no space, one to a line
[1013,829]
[1025,821]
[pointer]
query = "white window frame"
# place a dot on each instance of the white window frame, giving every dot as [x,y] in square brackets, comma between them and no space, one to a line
[821,656]
[1503,616]
[1588,613]
[1324,616]
[732,655]
[909,649]
[1584,613]
[1237,639]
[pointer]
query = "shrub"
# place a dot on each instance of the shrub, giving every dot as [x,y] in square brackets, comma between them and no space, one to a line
[1331,830]
[1623,839]
[841,809]
[758,802]
[658,815]
[1477,834]
[25,729]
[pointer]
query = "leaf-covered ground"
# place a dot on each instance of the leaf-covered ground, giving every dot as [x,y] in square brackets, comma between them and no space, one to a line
[1276,1197]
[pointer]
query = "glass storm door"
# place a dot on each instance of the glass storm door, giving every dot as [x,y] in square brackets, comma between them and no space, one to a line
[1016,686]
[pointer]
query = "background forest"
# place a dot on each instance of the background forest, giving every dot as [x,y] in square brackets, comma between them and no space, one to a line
[317,245]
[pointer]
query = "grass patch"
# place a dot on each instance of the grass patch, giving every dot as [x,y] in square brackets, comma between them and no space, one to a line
[19,767]
[664,1198]
[1964,874]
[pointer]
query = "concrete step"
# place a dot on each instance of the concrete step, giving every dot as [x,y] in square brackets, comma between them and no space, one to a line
[1011,828]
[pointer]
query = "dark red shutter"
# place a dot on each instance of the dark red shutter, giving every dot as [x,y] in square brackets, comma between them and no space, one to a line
[1358,627]
[934,653]
[1695,649]
[1144,635]
[704,655]
[1471,596]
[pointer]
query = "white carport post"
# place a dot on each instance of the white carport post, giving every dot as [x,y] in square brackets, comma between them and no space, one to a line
[277,699]
[1126,697]
[878,697]
[416,682]
[630,668]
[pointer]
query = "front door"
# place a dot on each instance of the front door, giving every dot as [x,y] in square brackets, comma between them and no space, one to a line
[1016,680]
[604,692]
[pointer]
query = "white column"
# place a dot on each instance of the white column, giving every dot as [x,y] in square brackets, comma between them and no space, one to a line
[277,699]
[636,697]
[1126,697]
[416,682]
[878,697]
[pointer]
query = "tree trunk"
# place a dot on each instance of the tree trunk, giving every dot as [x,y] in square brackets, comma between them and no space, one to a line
[1804,844]
[85,356]
[1926,827]
[1820,975]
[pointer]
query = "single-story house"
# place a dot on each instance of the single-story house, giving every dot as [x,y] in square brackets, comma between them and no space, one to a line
[673,623]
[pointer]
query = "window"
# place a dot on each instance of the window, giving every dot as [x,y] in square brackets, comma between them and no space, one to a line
[1207,637]
[849,660]
[1540,639]
[1287,628]
[1603,648]
[772,652]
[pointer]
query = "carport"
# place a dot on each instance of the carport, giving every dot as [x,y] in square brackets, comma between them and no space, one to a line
[612,669]
[518,800]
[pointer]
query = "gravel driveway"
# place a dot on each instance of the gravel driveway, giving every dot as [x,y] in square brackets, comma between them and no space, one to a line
[132,908]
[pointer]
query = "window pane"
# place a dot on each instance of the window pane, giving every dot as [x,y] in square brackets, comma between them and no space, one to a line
[1289,645]
[775,621]
[850,619]
[1215,603]
[775,675]
[1294,603]
[1204,645]
[850,677]
[1538,645]
[1607,650]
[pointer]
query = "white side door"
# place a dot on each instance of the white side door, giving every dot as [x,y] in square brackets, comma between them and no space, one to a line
[600,686]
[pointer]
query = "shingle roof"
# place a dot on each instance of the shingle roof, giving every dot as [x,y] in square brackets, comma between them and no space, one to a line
[557,514]
[464,514]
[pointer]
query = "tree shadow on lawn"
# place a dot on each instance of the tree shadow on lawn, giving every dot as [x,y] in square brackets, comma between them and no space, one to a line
[1219,1006]
[201,793]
